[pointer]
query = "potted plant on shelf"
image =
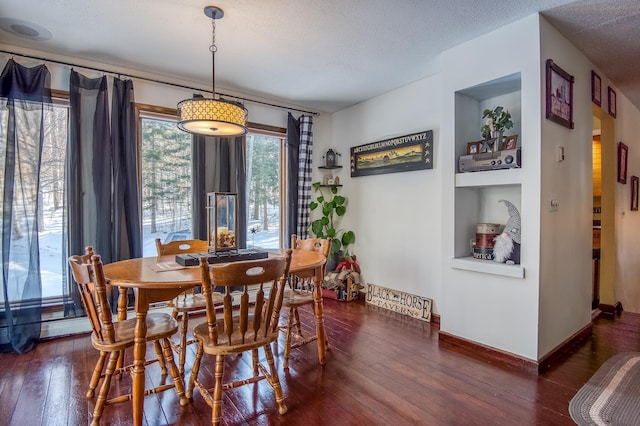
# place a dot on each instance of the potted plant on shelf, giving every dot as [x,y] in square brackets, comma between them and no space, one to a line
[498,119]
[332,207]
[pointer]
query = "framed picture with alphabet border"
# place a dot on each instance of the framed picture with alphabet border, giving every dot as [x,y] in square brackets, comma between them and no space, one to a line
[623,153]
[559,95]
[612,101]
[634,193]
[596,88]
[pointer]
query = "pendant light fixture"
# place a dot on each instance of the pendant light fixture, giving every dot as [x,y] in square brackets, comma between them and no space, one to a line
[211,116]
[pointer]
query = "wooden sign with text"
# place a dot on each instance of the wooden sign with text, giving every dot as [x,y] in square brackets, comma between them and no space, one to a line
[397,301]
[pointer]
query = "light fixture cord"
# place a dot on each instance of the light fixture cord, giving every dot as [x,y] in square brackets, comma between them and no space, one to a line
[213,48]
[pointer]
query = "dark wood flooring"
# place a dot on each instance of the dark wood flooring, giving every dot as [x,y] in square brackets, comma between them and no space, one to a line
[382,368]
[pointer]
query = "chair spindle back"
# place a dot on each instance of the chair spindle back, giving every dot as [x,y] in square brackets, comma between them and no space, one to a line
[252,321]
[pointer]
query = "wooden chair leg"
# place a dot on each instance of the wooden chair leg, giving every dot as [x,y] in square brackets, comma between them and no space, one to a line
[298,325]
[216,412]
[195,369]
[95,377]
[274,380]
[160,356]
[287,345]
[255,360]
[182,350]
[175,373]
[104,389]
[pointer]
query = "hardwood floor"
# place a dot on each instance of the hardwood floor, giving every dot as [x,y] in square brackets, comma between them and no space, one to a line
[382,368]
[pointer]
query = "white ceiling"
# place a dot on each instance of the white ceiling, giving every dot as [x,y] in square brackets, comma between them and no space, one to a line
[322,55]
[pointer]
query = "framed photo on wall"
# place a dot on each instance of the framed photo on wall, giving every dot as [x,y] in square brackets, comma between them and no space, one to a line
[612,102]
[559,95]
[596,88]
[623,153]
[634,193]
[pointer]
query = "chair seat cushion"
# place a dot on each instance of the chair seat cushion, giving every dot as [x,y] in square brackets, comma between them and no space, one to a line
[237,344]
[159,326]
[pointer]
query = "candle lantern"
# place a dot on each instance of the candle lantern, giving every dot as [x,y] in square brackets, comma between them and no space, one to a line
[222,220]
[330,158]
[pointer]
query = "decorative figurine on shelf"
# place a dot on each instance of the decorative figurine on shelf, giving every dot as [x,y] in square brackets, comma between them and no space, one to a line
[507,246]
[330,158]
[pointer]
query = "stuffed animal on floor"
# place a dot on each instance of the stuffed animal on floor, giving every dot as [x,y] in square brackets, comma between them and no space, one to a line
[507,246]
[349,268]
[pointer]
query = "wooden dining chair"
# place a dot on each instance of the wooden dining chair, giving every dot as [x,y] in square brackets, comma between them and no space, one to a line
[301,294]
[188,302]
[112,338]
[247,328]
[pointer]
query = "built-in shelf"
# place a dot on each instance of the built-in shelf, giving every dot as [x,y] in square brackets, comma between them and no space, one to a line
[488,267]
[329,167]
[489,178]
[330,186]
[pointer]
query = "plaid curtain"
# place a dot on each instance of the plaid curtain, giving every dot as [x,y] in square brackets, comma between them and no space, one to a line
[305,152]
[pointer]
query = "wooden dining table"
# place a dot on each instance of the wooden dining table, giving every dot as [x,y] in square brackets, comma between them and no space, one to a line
[151,284]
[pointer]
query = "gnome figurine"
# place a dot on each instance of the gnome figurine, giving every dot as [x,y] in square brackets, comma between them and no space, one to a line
[507,246]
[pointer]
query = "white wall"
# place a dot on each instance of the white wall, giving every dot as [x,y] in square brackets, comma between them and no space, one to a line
[396,217]
[566,252]
[627,130]
[497,311]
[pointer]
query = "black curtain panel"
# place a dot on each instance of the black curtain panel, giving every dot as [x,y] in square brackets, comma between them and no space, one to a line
[25,94]
[89,172]
[127,225]
[292,144]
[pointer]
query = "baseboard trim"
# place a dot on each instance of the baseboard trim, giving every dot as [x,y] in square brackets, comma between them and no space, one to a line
[485,353]
[563,350]
[479,351]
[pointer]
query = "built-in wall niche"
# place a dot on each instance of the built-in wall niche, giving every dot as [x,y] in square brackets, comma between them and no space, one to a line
[477,194]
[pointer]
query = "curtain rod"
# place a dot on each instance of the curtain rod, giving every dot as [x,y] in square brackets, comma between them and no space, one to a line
[69,64]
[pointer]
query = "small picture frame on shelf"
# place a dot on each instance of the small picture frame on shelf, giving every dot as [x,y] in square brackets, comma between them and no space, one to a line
[623,153]
[612,101]
[331,182]
[634,193]
[559,95]
[596,88]
[510,142]
[473,148]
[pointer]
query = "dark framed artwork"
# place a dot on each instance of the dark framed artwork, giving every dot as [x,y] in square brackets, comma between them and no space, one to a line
[473,147]
[596,88]
[612,102]
[559,95]
[634,193]
[399,154]
[623,153]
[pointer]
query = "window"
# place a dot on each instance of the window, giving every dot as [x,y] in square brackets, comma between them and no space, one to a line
[51,193]
[166,181]
[52,171]
[265,177]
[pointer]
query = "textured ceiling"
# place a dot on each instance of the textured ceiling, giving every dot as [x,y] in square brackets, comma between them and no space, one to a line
[323,55]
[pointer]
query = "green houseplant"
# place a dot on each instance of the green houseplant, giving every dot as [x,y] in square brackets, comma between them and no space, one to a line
[498,119]
[331,207]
